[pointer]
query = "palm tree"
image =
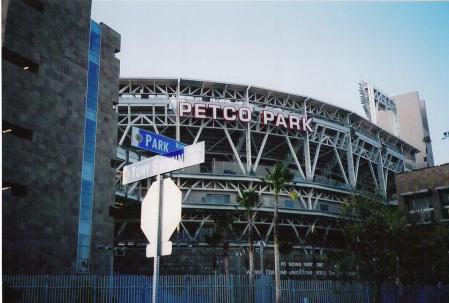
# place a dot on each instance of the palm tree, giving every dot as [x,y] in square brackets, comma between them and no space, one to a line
[249,200]
[277,178]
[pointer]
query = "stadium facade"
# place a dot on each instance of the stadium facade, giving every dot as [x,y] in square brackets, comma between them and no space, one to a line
[331,152]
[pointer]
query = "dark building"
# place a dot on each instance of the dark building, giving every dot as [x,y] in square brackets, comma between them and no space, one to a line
[60,80]
[424,194]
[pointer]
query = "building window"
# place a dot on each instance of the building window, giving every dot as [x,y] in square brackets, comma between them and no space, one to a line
[15,189]
[19,60]
[218,199]
[205,168]
[324,207]
[420,209]
[229,172]
[36,4]
[289,203]
[444,199]
[88,164]
[15,130]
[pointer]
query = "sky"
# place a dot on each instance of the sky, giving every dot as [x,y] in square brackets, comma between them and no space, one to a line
[317,49]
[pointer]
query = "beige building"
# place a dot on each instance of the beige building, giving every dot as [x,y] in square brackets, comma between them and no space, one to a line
[404,116]
[413,126]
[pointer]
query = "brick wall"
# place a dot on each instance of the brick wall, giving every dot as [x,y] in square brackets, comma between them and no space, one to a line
[422,179]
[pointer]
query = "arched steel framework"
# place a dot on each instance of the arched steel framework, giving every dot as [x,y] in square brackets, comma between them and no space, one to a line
[344,153]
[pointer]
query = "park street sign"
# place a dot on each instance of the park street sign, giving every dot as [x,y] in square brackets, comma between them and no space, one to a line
[170,216]
[154,142]
[193,154]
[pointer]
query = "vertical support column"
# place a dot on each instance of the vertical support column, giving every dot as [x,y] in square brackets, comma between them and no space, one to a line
[395,123]
[178,133]
[372,104]
[307,157]
[248,138]
[178,126]
[306,149]
[380,174]
[350,160]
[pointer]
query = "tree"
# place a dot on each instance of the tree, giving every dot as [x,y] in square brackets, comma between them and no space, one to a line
[249,201]
[223,224]
[277,179]
[214,240]
[371,233]
[424,254]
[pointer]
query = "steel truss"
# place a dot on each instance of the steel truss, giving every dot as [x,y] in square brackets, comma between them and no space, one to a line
[344,153]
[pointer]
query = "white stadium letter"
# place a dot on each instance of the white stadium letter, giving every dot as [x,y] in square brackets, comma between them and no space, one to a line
[184,108]
[226,115]
[267,116]
[214,109]
[199,110]
[293,122]
[306,125]
[280,120]
[244,114]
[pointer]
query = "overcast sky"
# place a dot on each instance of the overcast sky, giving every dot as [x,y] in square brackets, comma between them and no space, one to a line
[315,49]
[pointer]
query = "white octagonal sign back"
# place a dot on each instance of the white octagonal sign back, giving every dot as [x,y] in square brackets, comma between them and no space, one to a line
[171,215]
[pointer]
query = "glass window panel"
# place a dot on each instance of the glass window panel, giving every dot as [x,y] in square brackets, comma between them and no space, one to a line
[218,199]
[86,200]
[95,27]
[86,213]
[289,203]
[87,187]
[89,157]
[421,202]
[91,115]
[324,207]
[90,130]
[93,72]
[88,172]
[85,228]
[84,240]
[83,252]
[445,198]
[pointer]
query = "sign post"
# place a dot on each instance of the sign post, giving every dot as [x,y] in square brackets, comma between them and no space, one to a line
[157,243]
[157,224]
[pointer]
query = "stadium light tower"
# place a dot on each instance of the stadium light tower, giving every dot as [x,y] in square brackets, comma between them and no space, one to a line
[374,100]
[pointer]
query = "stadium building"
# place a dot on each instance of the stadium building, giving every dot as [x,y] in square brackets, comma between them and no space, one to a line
[332,152]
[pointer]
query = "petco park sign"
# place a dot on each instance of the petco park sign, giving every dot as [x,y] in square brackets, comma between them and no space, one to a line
[230,112]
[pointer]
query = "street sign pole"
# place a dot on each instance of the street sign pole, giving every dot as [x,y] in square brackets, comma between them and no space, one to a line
[175,156]
[158,241]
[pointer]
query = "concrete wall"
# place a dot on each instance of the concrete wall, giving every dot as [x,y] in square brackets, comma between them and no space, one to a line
[40,227]
[385,120]
[411,124]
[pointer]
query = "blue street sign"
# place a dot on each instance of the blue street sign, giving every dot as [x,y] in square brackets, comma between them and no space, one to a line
[156,143]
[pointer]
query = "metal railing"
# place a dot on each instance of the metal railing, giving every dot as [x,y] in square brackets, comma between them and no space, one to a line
[185,289]
[203,288]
